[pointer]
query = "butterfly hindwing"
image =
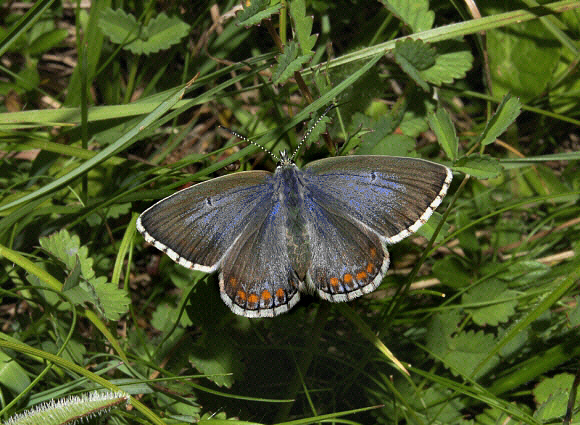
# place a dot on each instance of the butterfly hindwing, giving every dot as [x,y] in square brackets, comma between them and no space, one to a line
[257,277]
[347,259]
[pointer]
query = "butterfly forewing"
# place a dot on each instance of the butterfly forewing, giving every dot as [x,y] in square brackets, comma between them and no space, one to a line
[393,196]
[196,226]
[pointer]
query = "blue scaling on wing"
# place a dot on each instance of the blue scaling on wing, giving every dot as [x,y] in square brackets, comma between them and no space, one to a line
[257,278]
[199,224]
[391,195]
[347,258]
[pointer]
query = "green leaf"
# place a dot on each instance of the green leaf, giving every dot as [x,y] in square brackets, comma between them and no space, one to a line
[303,27]
[317,130]
[12,375]
[416,52]
[478,166]
[160,34]
[163,32]
[523,57]
[382,141]
[466,350]
[119,26]
[428,229]
[551,396]
[460,352]
[441,124]
[73,279]
[255,12]
[452,62]
[288,63]
[72,409]
[114,211]
[451,273]
[504,116]
[217,356]
[414,56]
[165,315]
[574,313]
[524,272]
[47,41]
[110,300]
[544,181]
[68,249]
[497,303]
[415,13]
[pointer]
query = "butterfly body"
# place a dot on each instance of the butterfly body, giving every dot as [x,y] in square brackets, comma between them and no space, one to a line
[322,229]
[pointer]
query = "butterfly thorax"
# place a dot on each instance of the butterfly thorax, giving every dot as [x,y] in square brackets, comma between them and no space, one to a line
[290,191]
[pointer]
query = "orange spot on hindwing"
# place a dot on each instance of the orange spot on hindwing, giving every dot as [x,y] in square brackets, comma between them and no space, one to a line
[253,300]
[280,295]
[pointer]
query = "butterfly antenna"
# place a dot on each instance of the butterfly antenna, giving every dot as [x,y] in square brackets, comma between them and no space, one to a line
[245,139]
[331,107]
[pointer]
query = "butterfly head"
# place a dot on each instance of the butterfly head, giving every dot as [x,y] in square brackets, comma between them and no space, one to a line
[285,158]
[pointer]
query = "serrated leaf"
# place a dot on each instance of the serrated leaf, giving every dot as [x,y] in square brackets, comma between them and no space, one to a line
[452,62]
[67,249]
[415,13]
[114,211]
[288,63]
[73,279]
[255,12]
[119,26]
[552,395]
[382,141]
[479,166]
[496,303]
[418,53]
[159,34]
[110,300]
[303,27]
[467,350]
[79,295]
[217,356]
[460,352]
[441,124]
[440,329]
[504,116]
[414,56]
[317,130]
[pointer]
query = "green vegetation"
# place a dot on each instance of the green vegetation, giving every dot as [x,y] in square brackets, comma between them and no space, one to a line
[106,110]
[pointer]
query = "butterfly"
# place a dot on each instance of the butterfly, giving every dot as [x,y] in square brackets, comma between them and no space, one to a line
[322,229]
